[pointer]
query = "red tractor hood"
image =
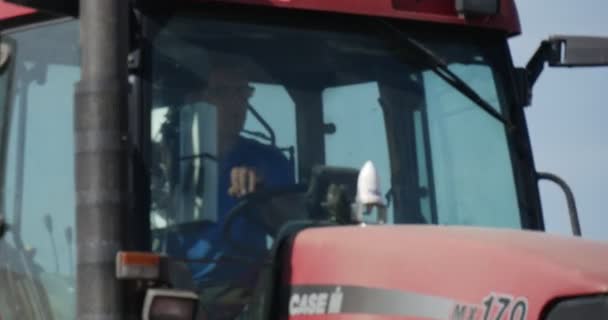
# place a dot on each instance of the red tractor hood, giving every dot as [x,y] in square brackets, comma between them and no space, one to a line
[442,272]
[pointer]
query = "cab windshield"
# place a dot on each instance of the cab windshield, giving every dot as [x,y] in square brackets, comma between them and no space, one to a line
[257,106]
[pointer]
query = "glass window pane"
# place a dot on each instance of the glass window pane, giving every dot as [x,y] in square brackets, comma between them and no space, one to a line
[39,272]
[360,135]
[474,181]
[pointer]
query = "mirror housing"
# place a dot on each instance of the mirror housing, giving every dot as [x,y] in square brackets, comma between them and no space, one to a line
[578,51]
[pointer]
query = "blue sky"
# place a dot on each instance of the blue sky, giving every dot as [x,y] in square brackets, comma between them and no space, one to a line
[567,119]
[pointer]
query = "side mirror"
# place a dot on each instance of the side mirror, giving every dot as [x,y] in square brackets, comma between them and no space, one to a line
[563,51]
[575,51]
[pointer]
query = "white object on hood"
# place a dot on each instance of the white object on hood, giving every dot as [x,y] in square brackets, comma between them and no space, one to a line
[368,186]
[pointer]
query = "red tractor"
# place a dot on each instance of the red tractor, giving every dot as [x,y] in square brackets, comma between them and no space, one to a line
[279,159]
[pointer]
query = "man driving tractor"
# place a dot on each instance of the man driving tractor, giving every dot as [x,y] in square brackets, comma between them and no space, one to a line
[243,166]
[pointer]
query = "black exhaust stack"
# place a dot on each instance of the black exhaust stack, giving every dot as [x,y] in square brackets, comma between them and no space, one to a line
[101,163]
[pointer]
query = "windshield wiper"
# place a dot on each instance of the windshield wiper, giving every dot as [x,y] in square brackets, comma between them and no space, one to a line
[440,68]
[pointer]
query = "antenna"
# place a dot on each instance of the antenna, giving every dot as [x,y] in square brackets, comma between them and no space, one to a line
[69,238]
[48,223]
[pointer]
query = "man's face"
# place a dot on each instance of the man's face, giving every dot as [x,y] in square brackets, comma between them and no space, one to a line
[229,91]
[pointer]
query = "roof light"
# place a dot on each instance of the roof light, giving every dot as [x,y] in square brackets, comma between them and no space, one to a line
[478,7]
[138,265]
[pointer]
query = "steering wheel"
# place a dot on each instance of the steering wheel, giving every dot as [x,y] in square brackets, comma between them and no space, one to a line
[247,205]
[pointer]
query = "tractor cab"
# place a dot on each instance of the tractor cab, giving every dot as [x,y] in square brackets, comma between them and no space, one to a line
[243,124]
[320,101]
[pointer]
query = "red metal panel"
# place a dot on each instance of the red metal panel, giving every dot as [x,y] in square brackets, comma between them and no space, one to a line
[8,11]
[462,264]
[439,11]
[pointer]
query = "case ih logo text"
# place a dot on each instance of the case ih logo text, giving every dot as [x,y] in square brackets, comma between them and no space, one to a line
[316,303]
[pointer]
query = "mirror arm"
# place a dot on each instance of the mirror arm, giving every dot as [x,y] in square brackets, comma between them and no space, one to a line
[537,63]
[572,211]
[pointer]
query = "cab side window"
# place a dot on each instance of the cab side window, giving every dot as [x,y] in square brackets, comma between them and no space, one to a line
[37,257]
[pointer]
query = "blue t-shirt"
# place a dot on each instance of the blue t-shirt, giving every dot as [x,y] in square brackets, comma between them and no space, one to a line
[209,242]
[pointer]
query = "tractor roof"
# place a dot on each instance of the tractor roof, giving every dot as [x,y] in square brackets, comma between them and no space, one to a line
[438,11]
